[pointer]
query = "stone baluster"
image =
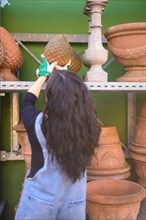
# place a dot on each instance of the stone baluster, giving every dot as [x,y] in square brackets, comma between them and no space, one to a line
[95,55]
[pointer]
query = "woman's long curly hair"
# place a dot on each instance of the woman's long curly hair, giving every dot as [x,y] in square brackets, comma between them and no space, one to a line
[69,123]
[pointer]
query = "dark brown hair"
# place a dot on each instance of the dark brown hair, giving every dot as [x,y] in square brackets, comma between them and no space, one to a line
[69,123]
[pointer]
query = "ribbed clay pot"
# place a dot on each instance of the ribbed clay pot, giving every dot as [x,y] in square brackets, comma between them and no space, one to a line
[127,42]
[138,155]
[24,142]
[13,58]
[143,110]
[140,133]
[58,49]
[138,147]
[108,161]
[114,199]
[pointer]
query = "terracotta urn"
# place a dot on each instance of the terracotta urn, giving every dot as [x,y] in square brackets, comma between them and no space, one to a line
[12,56]
[24,143]
[127,42]
[108,161]
[114,199]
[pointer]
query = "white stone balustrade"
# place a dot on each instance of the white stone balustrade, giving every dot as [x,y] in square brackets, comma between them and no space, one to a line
[95,55]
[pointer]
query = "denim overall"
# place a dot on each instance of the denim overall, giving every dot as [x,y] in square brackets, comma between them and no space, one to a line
[50,195]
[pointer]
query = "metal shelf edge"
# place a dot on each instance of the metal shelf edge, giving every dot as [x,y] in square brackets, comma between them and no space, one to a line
[19,86]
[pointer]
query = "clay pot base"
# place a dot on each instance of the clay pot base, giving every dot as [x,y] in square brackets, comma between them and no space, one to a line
[132,77]
[133,74]
[114,173]
[7,75]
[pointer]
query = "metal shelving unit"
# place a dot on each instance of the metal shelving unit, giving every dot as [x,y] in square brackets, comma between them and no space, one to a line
[15,87]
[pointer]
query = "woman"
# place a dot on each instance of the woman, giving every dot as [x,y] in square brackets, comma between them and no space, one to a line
[63,138]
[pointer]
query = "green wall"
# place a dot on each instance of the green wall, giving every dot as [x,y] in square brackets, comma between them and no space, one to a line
[66,17]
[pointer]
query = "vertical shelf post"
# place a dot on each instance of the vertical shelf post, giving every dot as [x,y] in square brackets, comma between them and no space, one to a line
[131,114]
[14,119]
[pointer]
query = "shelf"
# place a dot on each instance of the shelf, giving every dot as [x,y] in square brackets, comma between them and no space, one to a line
[20,86]
[14,87]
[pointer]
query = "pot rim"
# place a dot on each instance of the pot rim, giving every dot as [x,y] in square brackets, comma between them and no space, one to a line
[133,26]
[138,196]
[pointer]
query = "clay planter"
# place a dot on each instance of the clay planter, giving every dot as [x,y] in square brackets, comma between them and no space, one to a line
[143,110]
[24,142]
[127,42]
[142,213]
[114,199]
[108,161]
[138,155]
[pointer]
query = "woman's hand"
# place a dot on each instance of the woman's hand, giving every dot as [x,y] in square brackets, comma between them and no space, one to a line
[45,69]
[63,67]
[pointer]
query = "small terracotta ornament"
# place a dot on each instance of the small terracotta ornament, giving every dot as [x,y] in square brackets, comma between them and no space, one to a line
[58,49]
[114,199]
[24,142]
[127,42]
[13,58]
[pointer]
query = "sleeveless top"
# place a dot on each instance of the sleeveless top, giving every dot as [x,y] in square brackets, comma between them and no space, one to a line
[50,194]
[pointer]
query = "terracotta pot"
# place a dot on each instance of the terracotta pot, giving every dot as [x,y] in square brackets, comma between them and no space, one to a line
[143,110]
[58,49]
[108,161]
[138,155]
[138,147]
[114,199]
[127,44]
[142,212]
[140,133]
[108,135]
[24,142]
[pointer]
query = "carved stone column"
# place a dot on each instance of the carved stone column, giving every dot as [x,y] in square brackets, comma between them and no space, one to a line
[95,56]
